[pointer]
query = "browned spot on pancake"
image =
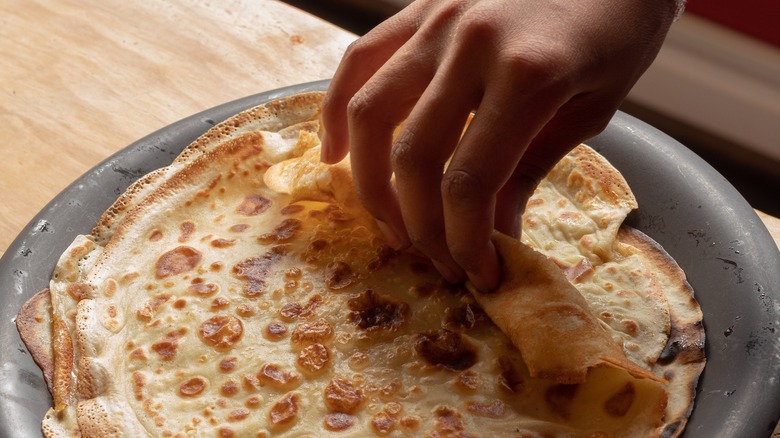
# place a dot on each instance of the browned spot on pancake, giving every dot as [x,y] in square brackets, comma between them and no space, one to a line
[336,214]
[177,261]
[225,432]
[467,381]
[311,332]
[255,270]
[313,359]
[494,409]
[341,396]
[283,232]
[290,311]
[383,423]
[388,391]
[296,39]
[199,287]
[139,382]
[239,228]
[166,348]
[285,411]
[449,423]
[223,243]
[151,306]
[371,311]
[237,415]
[339,275]
[251,382]
[221,332]
[410,422]
[275,330]
[193,387]
[137,354]
[253,402]
[229,388]
[446,349]
[619,404]
[274,375]
[219,303]
[227,364]
[292,209]
[179,304]
[186,229]
[383,256]
[559,399]
[338,422]
[155,235]
[78,291]
[465,317]
[245,310]
[253,205]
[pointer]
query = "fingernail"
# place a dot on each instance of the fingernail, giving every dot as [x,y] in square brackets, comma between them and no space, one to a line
[449,274]
[391,237]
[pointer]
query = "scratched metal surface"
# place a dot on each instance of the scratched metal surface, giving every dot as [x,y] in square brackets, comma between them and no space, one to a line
[697,216]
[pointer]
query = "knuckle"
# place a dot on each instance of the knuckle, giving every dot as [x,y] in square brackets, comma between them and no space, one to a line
[361,105]
[460,187]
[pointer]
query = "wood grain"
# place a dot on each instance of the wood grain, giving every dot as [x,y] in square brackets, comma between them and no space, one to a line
[80,80]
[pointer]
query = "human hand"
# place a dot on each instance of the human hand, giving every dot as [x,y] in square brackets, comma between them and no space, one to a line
[541,76]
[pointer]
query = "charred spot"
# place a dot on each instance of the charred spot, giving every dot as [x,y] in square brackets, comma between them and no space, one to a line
[219,303]
[383,423]
[255,270]
[253,205]
[447,349]
[371,311]
[166,348]
[339,275]
[177,261]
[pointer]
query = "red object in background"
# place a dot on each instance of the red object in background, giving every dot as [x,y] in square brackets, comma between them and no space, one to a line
[757,18]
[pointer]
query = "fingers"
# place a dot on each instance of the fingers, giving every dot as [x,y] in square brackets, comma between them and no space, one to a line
[483,163]
[419,154]
[362,60]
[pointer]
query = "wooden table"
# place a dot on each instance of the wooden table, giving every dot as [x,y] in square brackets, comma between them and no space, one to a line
[81,79]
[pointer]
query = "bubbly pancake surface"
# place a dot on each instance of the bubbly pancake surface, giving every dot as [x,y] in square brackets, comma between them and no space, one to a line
[212,304]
